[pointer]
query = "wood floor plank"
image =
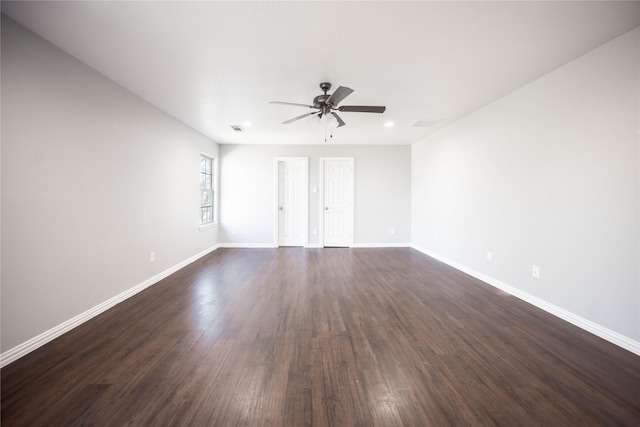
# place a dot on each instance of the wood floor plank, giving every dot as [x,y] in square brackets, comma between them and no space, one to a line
[323,337]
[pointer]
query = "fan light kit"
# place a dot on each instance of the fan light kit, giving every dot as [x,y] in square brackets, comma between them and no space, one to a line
[326,105]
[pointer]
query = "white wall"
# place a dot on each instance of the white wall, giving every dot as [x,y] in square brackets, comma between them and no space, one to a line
[548,175]
[382,191]
[93,180]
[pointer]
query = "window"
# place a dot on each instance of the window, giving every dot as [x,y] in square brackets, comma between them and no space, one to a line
[206,190]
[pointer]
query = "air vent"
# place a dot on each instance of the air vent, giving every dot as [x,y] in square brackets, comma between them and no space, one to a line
[237,128]
[423,123]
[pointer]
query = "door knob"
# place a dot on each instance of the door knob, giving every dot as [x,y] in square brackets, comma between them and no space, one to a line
[280,208]
[326,208]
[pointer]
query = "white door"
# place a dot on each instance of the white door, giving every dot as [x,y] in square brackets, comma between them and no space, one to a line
[291,203]
[337,202]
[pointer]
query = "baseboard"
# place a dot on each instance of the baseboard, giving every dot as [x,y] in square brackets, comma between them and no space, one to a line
[365,245]
[315,245]
[247,245]
[30,345]
[381,245]
[589,326]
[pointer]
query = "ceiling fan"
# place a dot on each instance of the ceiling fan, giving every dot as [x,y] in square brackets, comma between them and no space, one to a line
[328,104]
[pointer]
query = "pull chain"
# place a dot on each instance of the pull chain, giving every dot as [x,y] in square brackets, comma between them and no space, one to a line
[330,134]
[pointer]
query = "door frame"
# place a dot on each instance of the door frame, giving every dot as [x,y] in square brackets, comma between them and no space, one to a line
[305,198]
[350,213]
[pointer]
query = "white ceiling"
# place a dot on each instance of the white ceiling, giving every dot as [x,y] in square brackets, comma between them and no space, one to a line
[215,64]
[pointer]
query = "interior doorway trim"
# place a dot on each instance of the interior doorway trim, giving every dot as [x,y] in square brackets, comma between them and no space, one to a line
[350,213]
[304,161]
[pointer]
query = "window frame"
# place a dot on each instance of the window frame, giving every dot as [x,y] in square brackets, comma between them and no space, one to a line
[212,190]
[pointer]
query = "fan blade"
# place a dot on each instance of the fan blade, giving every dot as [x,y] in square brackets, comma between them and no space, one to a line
[291,103]
[362,108]
[341,93]
[340,121]
[299,117]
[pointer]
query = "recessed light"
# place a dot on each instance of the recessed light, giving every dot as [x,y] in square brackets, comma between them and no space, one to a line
[389,124]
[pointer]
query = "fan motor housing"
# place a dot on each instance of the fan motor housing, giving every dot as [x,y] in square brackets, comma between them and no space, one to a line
[320,100]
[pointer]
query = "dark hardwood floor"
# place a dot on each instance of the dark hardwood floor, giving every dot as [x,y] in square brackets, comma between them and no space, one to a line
[323,337]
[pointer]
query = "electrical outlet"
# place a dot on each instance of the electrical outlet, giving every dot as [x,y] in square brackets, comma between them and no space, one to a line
[535,271]
[152,257]
[233,231]
[489,256]
[393,231]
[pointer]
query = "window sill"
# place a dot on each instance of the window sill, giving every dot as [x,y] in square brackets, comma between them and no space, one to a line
[206,226]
